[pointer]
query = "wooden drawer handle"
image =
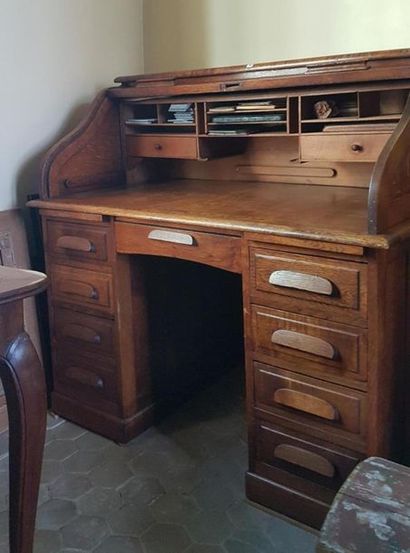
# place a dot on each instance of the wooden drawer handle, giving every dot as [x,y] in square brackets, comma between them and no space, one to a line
[305,459]
[84,377]
[168,236]
[303,342]
[83,333]
[302,281]
[306,403]
[78,288]
[76,243]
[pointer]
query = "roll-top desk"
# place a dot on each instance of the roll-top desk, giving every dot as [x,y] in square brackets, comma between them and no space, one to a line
[295,176]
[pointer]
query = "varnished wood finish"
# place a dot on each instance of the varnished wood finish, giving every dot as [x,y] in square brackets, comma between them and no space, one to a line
[209,248]
[24,385]
[319,241]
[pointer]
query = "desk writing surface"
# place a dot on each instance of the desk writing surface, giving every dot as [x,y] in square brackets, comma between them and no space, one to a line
[334,214]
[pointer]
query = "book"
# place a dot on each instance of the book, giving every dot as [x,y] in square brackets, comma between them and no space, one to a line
[250,118]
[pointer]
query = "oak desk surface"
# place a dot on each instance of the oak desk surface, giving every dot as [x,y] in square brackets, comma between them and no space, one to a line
[326,213]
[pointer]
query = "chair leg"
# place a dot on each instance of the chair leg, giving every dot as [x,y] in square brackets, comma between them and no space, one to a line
[24,386]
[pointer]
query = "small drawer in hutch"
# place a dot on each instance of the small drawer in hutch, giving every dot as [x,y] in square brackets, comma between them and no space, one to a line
[182,147]
[304,457]
[343,147]
[311,403]
[309,284]
[73,329]
[309,345]
[82,287]
[77,241]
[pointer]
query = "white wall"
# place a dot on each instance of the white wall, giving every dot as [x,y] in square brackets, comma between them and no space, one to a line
[182,34]
[54,56]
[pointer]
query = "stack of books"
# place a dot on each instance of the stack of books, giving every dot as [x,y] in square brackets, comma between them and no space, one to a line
[182,114]
[254,106]
[248,118]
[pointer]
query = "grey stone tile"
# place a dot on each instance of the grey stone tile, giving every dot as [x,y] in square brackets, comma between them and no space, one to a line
[43,495]
[4,463]
[287,537]
[67,431]
[120,544]
[110,475]
[4,443]
[210,527]
[50,471]
[246,517]
[175,508]
[4,527]
[58,450]
[84,532]
[141,490]
[99,502]
[255,538]
[165,538]
[54,421]
[214,494]
[183,479]
[235,546]
[70,486]
[130,520]
[47,541]
[90,442]
[55,513]
[83,462]
[200,548]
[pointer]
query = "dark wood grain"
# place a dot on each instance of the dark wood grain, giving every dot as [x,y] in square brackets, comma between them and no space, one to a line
[23,380]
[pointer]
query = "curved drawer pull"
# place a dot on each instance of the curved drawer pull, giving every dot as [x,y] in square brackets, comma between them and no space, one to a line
[80,332]
[76,243]
[84,377]
[169,236]
[306,403]
[78,288]
[302,281]
[303,342]
[305,459]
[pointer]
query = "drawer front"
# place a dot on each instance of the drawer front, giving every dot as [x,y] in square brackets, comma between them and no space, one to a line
[182,147]
[303,457]
[85,378]
[82,287]
[77,241]
[217,250]
[360,147]
[308,345]
[308,284]
[83,332]
[312,403]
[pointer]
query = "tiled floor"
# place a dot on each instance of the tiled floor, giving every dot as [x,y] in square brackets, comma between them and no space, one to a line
[176,489]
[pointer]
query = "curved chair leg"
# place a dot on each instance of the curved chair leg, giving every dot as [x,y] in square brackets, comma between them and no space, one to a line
[24,386]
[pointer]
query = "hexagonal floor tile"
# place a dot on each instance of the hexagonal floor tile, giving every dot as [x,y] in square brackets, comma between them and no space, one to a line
[58,450]
[119,544]
[165,538]
[210,527]
[84,532]
[70,486]
[110,475]
[55,513]
[141,490]
[130,520]
[174,508]
[47,541]
[100,502]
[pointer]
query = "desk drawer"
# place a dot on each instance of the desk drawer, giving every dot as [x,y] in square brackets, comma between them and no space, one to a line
[83,332]
[82,287]
[88,379]
[310,346]
[311,403]
[306,459]
[182,147]
[328,288]
[343,147]
[217,250]
[77,241]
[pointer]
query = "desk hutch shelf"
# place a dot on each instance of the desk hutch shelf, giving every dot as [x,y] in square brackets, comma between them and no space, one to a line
[294,178]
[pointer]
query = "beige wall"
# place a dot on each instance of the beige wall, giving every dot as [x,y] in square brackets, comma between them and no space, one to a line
[204,33]
[54,56]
